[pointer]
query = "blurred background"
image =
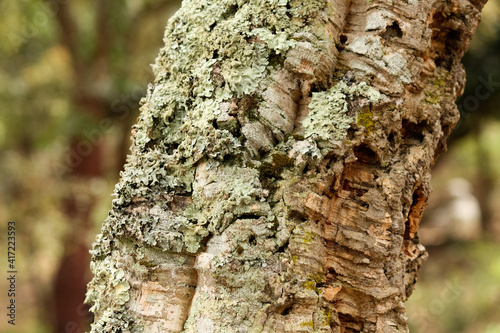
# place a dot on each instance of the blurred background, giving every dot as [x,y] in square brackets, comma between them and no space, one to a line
[72,74]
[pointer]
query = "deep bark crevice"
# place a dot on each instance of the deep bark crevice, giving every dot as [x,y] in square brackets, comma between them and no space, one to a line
[416,211]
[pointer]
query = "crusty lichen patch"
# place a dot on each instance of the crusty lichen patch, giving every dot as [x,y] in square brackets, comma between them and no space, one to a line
[214,51]
[177,187]
[373,48]
[328,119]
[225,193]
[111,281]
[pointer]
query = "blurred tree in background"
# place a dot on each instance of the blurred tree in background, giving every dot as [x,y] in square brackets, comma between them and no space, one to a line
[479,108]
[72,73]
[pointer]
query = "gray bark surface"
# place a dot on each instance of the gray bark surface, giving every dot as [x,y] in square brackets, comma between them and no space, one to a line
[280,167]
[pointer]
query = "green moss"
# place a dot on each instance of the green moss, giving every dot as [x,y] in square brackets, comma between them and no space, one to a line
[307,324]
[439,82]
[431,97]
[302,235]
[319,278]
[282,160]
[279,162]
[308,237]
[310,285]
[327,312]
[365,119]
[436,88]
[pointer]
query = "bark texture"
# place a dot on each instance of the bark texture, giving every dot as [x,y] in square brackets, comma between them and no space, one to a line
[280,167]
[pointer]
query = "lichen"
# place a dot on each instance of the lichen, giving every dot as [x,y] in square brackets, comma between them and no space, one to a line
[436,87]
[278,42]
[230,40]
[226,193]
[301,8]
[307,324]
[187,177]
[243,72]
[378,20]
[370,46]
[224,27]
[373,48]
[111,281]
[310,285]
[431,97]
[365,119]
[328,118]
[327,315]
[397,66]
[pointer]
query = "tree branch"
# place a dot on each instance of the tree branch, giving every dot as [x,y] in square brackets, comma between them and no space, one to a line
[103,36]
[69,33]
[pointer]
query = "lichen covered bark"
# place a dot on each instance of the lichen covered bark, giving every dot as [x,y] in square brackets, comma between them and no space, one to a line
[280,167]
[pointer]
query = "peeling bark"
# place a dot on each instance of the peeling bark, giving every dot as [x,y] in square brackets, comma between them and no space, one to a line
[280,167]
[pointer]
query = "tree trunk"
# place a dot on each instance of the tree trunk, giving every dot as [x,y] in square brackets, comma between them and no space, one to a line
[280,167]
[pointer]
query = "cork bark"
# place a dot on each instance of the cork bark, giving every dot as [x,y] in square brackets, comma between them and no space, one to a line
[280,167]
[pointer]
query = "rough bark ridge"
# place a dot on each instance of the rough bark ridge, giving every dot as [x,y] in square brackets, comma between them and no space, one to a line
[280,167]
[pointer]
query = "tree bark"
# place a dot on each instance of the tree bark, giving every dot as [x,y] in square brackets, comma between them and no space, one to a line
[280,167]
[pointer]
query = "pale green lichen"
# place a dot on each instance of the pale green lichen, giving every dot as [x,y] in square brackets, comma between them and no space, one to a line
[328,118]
[224,26]
[302,8]
[202,40]
[278,42]
[200,136]
[370,46]
[226,193]
[397,66]
[215,53]
[243,74]
[203,84]
[378,20]
[111,281]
